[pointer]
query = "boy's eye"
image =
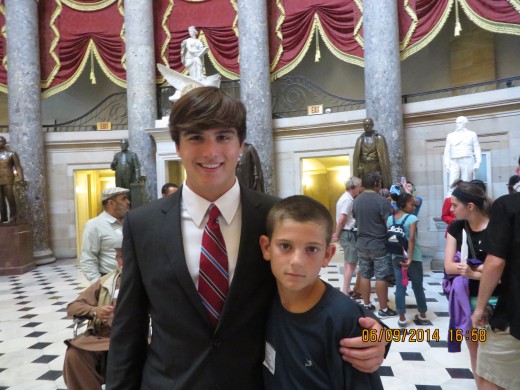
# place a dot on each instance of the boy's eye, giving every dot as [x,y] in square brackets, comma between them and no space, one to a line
[313,249]
[284,246]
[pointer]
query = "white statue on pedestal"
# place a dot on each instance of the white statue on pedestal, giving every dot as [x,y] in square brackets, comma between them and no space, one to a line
[462,154]
[192,52]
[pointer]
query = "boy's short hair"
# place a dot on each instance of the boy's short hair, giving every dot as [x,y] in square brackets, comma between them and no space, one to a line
[300,208]
[207,108]
[371,180]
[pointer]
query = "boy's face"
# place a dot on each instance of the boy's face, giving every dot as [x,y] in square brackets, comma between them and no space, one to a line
[210,158]
[297,251]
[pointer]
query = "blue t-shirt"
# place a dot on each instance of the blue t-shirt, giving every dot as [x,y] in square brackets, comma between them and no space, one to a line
[417,254]
[417,206]
[302,348]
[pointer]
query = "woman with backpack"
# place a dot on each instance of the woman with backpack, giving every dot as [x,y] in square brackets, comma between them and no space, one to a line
[409,259]
[463,262]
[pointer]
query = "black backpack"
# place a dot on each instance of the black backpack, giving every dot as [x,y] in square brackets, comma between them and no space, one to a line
[396,239]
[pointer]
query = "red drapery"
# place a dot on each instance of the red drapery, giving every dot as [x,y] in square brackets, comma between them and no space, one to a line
[419,22]
[334,21]
[74,33]
[72,38]
[499,16]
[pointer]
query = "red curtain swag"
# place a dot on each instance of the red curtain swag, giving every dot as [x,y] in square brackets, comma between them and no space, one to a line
[76,33]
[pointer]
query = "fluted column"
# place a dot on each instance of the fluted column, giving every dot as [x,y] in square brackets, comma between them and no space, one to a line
[383,77]
[255,87]
[25,118]
[141,91]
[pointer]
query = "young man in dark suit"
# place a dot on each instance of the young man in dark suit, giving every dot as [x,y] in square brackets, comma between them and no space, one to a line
[163,259]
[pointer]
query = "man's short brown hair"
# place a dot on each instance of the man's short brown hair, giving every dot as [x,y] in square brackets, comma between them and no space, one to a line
[207,108]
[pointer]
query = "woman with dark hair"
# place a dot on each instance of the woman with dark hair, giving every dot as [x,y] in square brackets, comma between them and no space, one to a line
[464,261]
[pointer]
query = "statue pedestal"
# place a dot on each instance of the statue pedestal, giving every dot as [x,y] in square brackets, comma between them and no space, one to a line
[137,195]
[437,263]
[16,249]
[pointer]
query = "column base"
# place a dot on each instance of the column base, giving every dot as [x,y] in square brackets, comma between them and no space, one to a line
[15,249]
[43,256]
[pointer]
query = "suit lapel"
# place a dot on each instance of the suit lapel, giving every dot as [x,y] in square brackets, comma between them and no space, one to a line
[174,250]
[252,225]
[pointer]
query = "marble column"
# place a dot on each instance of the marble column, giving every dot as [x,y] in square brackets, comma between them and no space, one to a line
[255,87]
[383,77]
[141,90]
[25,118]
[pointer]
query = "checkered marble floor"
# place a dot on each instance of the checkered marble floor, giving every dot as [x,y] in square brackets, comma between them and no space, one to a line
[33,325]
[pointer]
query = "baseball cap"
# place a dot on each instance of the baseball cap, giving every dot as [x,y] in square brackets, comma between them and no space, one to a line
[111,192]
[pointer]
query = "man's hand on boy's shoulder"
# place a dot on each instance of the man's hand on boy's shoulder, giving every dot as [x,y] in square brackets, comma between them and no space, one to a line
[365,356]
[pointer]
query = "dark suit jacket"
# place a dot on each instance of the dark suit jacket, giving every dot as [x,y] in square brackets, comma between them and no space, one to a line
[185,352]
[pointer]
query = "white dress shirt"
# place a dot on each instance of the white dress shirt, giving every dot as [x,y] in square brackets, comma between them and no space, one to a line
[194,216]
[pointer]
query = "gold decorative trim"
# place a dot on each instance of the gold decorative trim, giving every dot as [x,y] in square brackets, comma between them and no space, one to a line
[349,58]
[407,52]
[299,57]
[52,24]
[486,24]
[278,31]
[122,34]
[234,4]
[515,4]
[357,27]
[413,26]
[164,25]
[78,5]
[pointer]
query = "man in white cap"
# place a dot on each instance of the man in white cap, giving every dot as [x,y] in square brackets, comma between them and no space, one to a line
[102,233]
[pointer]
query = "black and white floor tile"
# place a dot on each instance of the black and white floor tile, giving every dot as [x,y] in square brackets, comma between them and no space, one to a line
[33,325]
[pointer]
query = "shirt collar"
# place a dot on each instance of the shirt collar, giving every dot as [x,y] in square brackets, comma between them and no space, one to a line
[109,217]
[197,206]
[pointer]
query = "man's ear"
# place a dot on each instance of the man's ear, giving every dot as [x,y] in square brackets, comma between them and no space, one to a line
[265,246]
[329,253]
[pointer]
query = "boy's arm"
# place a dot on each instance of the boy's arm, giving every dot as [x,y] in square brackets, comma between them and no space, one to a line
[365,356]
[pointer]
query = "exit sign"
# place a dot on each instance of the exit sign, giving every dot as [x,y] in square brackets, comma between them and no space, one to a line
[315,110]
[104,126]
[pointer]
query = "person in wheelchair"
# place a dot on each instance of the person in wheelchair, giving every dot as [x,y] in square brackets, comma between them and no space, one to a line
[86,356]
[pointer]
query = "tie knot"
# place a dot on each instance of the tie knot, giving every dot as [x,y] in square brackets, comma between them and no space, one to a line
[214,212]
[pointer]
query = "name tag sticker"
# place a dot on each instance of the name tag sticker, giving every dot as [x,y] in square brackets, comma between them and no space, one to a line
[270,357]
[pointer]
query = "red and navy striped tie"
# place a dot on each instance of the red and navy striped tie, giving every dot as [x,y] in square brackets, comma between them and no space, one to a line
[213,274]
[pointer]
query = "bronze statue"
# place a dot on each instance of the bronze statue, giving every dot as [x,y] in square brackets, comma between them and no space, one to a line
[127,166]
[249,169]
[371,154]
[10,170]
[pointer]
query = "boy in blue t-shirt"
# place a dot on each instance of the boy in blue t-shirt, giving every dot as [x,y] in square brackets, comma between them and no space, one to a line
[308,317]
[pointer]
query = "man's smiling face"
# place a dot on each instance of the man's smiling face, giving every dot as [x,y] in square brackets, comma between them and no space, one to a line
[210,158]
